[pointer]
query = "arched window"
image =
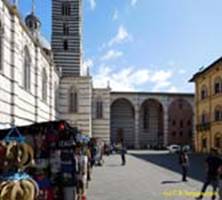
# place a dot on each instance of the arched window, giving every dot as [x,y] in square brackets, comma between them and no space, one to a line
[217,85]
[204,92]
[73,100]
[218,113]
[99,108]
[218,140]
[44,85]
[27,69]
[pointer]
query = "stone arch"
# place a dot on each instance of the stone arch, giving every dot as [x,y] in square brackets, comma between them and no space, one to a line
[122,122]
[180,122]
[151,123]
[128,99]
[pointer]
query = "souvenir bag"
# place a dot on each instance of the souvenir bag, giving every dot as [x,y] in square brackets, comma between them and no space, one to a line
[16,156]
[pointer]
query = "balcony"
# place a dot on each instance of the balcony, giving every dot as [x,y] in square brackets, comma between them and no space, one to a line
[203,126]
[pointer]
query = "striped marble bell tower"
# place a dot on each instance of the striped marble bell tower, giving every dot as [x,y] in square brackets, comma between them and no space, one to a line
[66,36]
[75,89]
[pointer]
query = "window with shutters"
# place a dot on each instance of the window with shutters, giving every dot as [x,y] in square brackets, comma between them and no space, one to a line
[218,141]
[217,85]
[218,113]
[204,92]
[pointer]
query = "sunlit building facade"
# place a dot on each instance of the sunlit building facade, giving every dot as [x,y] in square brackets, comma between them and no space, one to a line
[208,107]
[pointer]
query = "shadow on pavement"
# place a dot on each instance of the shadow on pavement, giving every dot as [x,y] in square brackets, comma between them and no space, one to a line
[170,182]
[113,165]
[170,162]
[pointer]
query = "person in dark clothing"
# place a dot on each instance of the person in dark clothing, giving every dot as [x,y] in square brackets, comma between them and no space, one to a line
[213,163]
[123,154]
[184,162]
[220,180]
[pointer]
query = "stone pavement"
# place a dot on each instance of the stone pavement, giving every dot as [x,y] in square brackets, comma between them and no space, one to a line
[146,176]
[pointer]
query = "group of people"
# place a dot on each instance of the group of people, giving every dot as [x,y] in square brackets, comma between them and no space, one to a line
[213,165]
[86,157]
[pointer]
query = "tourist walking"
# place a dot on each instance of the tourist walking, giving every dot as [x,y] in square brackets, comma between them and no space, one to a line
[81,162]
[184,162]
[123,154]
[220,181]
[213,163]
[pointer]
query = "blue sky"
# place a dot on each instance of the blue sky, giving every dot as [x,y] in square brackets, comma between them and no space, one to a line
[145,45]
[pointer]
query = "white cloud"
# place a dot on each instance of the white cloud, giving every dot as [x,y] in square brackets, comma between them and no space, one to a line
[112,54]
[172,89]
[127,79]
[87,64]
[133,79]
[92,4]
[121,36]
[161,80]
[115,15]
[134,2]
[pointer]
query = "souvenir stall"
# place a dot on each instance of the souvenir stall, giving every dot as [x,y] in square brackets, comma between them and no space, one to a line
[53,146]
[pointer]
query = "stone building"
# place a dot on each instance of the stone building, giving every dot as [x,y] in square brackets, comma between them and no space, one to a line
[149,119]
[27,71]
[208,107]
[32,88]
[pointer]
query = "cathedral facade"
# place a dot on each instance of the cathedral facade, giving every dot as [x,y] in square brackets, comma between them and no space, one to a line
[27,72]
[42,82]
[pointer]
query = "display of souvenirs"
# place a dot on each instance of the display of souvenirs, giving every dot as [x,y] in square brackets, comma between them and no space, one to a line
[16,156]
[50,152]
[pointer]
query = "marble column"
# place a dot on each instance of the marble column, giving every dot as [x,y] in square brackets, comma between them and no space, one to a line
[165,137]
[136,127]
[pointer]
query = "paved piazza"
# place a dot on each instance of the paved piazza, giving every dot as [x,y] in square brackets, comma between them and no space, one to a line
[147,176]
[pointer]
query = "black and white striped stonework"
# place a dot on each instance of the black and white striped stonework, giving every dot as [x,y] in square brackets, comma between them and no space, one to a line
[66,36]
